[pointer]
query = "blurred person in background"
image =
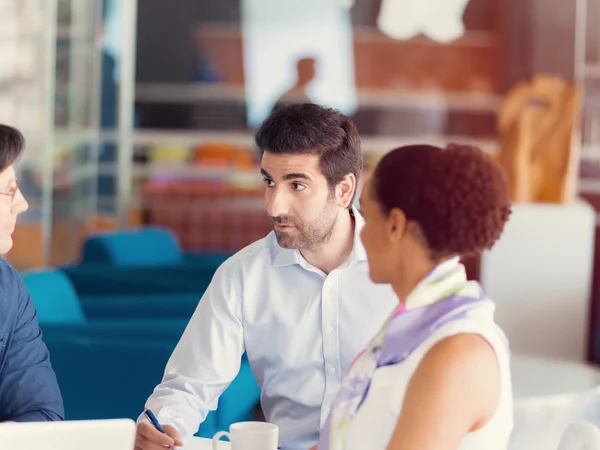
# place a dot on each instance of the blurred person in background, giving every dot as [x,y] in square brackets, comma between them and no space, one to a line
[437,375]
[29,391]
[306,70]
[298,302]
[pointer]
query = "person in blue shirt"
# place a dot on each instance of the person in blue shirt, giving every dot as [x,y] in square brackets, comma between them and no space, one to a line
[29,391]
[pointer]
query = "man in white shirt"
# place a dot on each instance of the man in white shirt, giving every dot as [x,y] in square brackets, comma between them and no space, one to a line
[299,302]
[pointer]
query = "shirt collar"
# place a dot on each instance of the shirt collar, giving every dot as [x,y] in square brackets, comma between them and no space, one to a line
[358,250]
[286,256]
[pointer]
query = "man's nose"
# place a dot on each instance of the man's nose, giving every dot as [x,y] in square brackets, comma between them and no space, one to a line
[277,203]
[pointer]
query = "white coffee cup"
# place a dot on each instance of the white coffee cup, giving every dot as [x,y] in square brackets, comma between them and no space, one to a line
[249,436]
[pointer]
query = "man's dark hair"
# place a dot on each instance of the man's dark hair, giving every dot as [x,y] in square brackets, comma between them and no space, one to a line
[307,128]
[12,144]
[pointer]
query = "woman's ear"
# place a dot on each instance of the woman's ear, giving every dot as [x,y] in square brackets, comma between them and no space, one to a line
[397,223]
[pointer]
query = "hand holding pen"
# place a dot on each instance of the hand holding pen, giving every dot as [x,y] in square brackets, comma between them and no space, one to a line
[152,433]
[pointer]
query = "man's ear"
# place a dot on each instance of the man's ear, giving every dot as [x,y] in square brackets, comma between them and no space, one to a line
[345,190]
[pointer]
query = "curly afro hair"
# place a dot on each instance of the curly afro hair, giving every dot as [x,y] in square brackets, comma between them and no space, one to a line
[457,195]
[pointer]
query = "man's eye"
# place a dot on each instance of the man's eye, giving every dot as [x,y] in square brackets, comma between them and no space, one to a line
[268,182]
[298,186]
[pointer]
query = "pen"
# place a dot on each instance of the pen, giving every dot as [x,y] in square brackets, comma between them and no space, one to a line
[152,418]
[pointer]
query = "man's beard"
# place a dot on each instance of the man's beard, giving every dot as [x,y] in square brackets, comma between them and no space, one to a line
[307,236]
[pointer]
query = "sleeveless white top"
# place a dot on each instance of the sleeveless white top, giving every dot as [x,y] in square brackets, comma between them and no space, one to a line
[375,420]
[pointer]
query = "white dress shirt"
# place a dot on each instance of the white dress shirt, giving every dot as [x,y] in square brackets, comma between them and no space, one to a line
[300,329]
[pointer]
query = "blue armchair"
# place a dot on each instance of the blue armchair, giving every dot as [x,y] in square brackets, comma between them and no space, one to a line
[148,260]
[140,306]
[104,377]
[60,311]
[111,377]
[56,298]
[145,247]
[108,368]
[99,279]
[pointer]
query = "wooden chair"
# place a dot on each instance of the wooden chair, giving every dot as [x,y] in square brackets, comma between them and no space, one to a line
[537,127]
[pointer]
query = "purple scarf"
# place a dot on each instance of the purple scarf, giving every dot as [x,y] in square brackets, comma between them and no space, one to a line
[404,332]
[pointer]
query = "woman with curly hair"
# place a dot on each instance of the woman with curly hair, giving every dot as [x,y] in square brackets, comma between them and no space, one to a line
[437,375]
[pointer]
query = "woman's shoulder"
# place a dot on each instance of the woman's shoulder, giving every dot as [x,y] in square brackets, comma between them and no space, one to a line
[479,327]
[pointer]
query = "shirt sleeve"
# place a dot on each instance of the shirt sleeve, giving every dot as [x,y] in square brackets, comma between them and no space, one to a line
[29,390]
[206,359]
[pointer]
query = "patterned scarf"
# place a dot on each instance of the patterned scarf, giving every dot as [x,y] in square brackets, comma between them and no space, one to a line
[443,296]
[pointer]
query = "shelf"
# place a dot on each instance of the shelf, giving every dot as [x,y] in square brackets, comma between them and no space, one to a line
[197,92]
[471,38]
[370,144]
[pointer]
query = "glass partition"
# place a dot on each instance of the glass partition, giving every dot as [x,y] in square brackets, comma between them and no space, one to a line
[59,85]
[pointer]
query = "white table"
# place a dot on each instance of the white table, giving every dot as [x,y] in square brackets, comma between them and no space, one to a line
[549,395]
[205,444]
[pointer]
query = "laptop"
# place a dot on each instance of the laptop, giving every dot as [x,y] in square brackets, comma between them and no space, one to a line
[113,434]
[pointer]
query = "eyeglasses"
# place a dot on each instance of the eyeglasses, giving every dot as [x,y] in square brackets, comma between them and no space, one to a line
[11,194]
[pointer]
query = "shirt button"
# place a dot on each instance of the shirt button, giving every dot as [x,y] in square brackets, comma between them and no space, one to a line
[329,328]
[331,370]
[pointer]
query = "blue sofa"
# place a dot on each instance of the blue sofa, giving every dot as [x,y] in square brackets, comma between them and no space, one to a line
[99,279]
[59,310]
[106,377]
[108,368]
[148,260]
[51,286]
[140,306]
[147,246]
[111,377]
